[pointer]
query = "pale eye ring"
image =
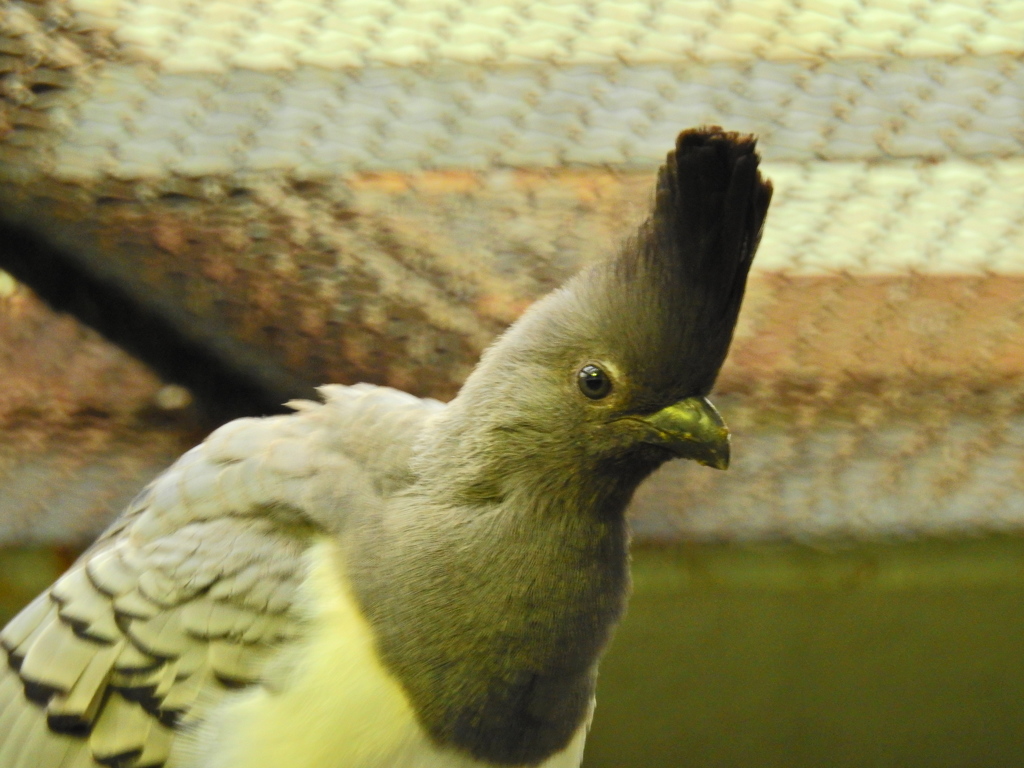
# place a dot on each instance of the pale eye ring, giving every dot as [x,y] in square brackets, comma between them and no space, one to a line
[594,382]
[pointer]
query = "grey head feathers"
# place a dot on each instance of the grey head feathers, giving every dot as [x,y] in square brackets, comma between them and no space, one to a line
[659,314]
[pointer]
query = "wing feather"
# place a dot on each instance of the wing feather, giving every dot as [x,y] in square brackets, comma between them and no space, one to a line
[157,748]
[22,627]
[76,711]
[121,730]
[169,674]
[42,747]
[25,722]
[163,636]
[133,660]
[191,590]
[109,574]
[135,606]
[185,691]
[55,660]
[233,663]
[11,693]
[88,612]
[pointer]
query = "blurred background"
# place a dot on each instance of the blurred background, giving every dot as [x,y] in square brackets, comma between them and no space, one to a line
[207,209]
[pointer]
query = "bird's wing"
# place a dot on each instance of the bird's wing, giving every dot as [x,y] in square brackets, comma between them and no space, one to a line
[192,587]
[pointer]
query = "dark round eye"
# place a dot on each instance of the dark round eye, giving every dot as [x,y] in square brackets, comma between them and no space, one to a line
[593,382]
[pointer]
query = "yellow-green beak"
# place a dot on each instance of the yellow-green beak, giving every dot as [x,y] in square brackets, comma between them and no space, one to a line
[692,429]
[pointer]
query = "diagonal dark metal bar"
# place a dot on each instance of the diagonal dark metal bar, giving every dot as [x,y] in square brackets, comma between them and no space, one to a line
[225,386]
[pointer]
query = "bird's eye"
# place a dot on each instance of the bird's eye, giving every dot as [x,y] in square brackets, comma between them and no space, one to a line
[593,382]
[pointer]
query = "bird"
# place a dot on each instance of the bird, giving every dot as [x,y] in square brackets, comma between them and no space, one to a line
[375,580]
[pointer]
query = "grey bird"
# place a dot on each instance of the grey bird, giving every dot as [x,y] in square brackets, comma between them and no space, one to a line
[380,581]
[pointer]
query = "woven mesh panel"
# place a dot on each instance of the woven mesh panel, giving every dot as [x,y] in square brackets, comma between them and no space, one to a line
[372,190]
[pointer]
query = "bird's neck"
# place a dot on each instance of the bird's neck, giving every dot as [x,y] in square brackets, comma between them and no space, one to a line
[493,614]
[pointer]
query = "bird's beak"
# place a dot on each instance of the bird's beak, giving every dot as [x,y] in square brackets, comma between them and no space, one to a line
[692,429]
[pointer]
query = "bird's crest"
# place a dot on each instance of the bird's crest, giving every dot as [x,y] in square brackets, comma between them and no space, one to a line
[674,292]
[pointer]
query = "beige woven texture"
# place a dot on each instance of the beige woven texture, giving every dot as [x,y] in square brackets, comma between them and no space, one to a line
[372,190]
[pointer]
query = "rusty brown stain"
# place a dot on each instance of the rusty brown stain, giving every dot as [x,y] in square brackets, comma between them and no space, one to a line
[169,235]
[445,182]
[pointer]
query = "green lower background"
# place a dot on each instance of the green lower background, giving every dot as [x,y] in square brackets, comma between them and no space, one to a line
[901,655]
[909,654]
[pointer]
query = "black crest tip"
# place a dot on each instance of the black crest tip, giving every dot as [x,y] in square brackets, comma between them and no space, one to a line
[710,208]
[712,199]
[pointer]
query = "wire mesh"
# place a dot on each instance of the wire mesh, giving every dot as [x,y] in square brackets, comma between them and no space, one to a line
[372,190]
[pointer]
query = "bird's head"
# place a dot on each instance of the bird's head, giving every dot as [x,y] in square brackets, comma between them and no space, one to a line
[612,370]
